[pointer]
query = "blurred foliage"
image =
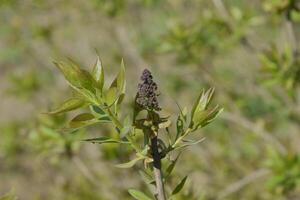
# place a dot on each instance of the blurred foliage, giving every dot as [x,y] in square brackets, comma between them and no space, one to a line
[239,47]
[9,196]
[286,173]
[47,139]
[281,67]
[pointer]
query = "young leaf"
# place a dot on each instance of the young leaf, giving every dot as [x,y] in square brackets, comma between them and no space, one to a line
[81,120]
[76,77]
[127,125]
[206,99]
[119,81]
[130,163]
[68,105]
[179,186]
[203,118]
[111,96]
[97,111]
[98,74]
[138,195]
[105,140]
[86,119]
[189,143]
[195,106]
[202,101]
[179,127]
[171,167]
[121,98]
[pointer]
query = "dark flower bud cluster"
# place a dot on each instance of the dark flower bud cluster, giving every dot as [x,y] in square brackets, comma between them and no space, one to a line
[147,92]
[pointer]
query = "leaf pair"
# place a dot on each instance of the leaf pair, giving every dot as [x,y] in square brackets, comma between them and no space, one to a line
[116,92]
[80,80]
[201,114]
[89,87]
[86,119]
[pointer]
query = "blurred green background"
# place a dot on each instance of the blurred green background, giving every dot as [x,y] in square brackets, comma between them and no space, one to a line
[247,50]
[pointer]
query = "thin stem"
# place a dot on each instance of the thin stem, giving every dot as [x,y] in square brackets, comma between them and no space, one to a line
[119,125]
[157,170]
[181,137]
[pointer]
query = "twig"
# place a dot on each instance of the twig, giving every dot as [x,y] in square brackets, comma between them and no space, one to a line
[243,182]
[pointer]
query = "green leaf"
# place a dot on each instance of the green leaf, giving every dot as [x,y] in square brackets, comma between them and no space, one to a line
[179,127]
[68,105]
[201,114]
[189,143]
[130,163]
[202,101]
[98,74]
[170,168]
[111,96]
[119,81]
[97,111]
[127,125]
[203,118]
[79,79]
[121,98]
[179,186]
[85,119]
[105,140]
[206,99]
[138,195]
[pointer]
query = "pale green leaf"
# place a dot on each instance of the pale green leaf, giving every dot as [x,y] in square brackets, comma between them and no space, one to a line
[97,111]
[189,143]
[203,118]
[202,101]
[79,79]
[127,125]
[68,105]
[98,74]
[111,96]
[76,77]
[138,195]
[171,167]
[105,140]
[179,127]
[179,187]
[85,119]
[129,164]
[119,81]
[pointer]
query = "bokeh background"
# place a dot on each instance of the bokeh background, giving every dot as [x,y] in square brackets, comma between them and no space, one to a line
[247,50]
